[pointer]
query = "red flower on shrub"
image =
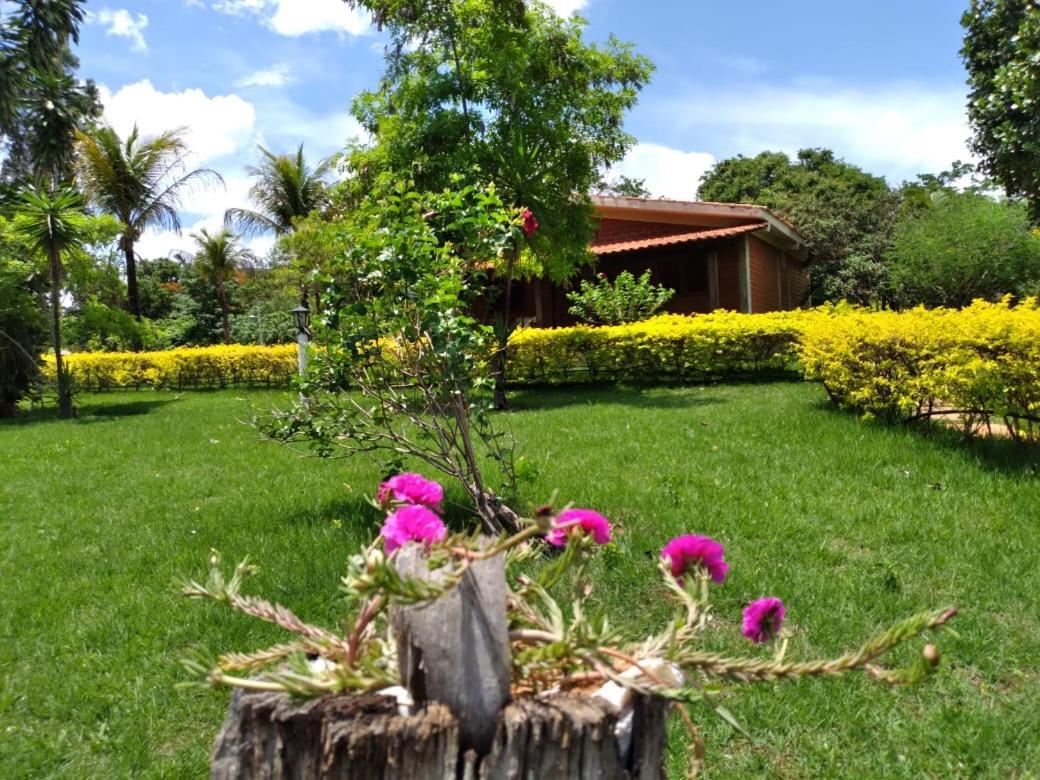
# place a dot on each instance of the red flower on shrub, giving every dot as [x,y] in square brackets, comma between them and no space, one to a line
[530,223]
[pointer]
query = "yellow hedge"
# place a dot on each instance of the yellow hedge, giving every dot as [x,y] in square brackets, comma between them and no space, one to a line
[978,364]
[186,368]
[671,347]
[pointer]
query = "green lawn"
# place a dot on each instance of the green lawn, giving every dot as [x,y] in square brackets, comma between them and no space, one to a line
[854,525]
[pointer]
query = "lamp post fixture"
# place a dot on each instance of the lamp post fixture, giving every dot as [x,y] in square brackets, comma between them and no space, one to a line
[302,317]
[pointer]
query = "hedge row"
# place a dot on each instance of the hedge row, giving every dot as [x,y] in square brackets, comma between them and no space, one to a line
[668,347]
[182,369]
[979,364]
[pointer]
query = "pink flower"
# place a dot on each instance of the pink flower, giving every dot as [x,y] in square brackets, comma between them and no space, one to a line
[762,619]
[530,223]
[589,521]
[685,552]
[412,489]
[411,523]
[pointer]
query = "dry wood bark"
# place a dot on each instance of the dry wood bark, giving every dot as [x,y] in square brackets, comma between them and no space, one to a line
[455,649]
[269,736]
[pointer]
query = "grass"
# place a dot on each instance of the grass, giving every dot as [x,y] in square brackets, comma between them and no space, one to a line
[854,525]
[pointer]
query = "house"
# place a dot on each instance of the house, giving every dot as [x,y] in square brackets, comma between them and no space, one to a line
[714,255]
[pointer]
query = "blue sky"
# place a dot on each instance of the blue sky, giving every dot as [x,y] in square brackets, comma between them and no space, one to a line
[880,82]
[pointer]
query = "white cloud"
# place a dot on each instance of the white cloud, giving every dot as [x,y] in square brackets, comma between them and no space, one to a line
[299,17]
[320,134]
[122,24]
[240,6]
[669,173]
[566,7]
[217,126]
[276,76]
[206,208]
[898,130]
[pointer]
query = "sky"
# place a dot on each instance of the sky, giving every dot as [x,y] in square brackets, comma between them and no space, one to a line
[879,82]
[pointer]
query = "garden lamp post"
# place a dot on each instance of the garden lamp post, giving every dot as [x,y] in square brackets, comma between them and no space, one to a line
[302,317]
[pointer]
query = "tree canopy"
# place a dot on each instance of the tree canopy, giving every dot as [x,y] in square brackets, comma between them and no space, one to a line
[505,92]
[845,213]
[140,181]
[1002,54]
[41,101]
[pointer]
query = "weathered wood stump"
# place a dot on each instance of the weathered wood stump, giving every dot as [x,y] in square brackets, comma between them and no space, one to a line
[454,658]
[269,736]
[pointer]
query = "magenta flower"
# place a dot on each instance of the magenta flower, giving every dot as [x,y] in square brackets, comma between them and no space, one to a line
[762,619]
[412,523]
[589,521]
[530,223]
[412,489]
[684,553]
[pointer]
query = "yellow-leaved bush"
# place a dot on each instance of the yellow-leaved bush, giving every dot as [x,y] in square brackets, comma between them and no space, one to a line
[668,347]
[978,364]
[975,364]
[185,368]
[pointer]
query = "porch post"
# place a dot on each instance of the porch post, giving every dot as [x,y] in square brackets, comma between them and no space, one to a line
[744,269]
[713,279]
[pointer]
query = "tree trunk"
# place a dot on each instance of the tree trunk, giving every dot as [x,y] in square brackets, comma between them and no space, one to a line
[222,298]
[132,295]
[268,736]
[64,391]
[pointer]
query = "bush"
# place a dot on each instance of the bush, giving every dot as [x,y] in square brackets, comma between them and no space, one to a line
[189,368]
[22,334]
[626,299]
[978,363]
[668,347]
[963,246]
[98,327]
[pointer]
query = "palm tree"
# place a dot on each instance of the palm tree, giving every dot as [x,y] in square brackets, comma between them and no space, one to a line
[217,257]
[140,181]
[286,188]
[52,225]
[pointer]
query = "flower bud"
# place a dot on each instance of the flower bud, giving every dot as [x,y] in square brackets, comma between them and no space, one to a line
[374,561]
[931,655]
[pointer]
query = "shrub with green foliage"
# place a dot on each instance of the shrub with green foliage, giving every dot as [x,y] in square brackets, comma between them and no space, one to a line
[22,334]
[626,299]
[963,246]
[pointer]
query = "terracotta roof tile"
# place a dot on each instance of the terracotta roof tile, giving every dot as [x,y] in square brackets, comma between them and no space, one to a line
[675,240]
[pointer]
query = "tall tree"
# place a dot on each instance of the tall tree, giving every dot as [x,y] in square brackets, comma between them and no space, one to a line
[216,258]
[41,101]
[845,214]
[1002,54]
[141,181]
[506,92]
[501,91]
[285,188]
[51,225]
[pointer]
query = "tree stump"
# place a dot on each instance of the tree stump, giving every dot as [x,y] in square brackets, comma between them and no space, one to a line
[268,736]
[454,658]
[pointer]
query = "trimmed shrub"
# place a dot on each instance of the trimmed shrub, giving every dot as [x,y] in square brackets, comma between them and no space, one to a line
[186,368]
[977,363]
[668,347]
